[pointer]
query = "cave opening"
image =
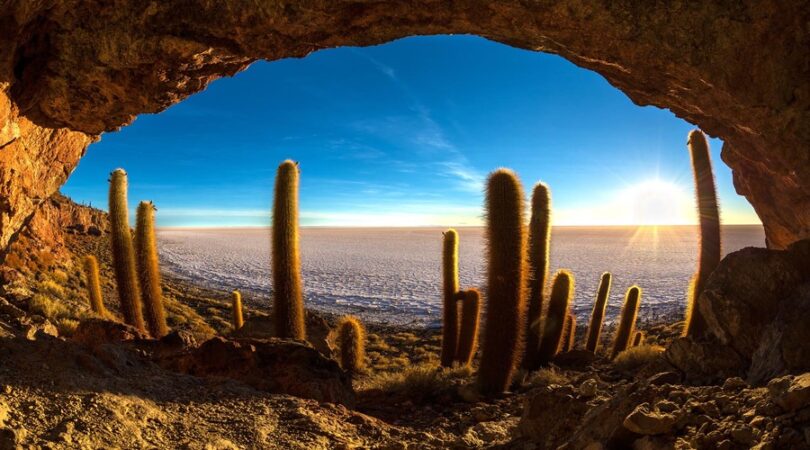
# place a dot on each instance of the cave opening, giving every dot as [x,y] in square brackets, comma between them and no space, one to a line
[402,135]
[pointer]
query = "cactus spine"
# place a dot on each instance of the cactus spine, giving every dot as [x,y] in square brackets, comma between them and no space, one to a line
[539,237]
[638,338]
[236,307]
[123,254]
[627,323]
[709,217]
[149,270]
[468,333]
[506,269]
[94,285]
[288,296]
[352,338]
[598,314]
[561,292]
[449,288]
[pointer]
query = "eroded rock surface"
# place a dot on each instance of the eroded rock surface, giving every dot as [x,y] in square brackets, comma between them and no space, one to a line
[71,69]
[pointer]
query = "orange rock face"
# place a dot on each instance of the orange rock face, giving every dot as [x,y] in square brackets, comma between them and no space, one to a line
[70,70]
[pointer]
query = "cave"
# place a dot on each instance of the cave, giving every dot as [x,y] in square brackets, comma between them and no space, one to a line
[739,70]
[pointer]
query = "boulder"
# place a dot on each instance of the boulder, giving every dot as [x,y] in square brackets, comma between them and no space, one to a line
[273,365]
[649,421]
[756,305]
[262,327]
[789,392]
[550,414]
[95,332]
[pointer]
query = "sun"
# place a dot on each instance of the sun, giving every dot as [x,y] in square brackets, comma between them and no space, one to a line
[657,202]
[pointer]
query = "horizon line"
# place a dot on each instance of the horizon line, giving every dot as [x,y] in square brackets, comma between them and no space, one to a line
[237,227]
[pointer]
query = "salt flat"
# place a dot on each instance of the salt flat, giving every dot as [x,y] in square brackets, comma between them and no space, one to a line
[393,275]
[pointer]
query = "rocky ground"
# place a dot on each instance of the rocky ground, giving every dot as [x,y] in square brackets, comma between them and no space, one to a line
[69,379]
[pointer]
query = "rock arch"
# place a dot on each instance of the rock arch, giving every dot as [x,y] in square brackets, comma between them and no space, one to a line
[72,69]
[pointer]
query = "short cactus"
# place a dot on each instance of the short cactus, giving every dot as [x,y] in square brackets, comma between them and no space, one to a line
[506,268]
[123,253]
[449,290]
[351,340]
[598,313]
[94,285]
[562,290]
[288,295]
[571,328]
[638,338]
[149,270]
[236,308]
[709,217]
[627,323]
[468,332]
[539,238]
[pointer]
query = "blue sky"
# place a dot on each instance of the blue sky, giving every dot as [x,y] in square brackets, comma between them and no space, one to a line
[404,134]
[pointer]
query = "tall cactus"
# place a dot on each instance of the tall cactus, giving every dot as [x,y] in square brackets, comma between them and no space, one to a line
[598,313]
[94,285]
[627,323]
[123,253]
[236,309]
[468,332]
[709,217]
[149,270]
[449,288]
[539,237]
[288,295]
[351,339]
[506,268]
[562,290]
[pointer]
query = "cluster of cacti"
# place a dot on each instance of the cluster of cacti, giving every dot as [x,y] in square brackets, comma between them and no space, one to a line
[598,313]
[123,254]
[506,269]
[149,269]
[288,295]
[709,218]
[470,305]
[539,237]
[627,323]
[236,310]
[136,267]
[351,337]
[562,289]
[94,285]
[450,319]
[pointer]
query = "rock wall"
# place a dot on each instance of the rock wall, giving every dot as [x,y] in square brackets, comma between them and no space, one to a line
[70,70]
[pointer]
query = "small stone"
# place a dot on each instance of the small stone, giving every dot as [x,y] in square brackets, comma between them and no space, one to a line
[663,378]
[666,406]
[645,421]
[743,435]
[734,384]
[588,388]
[758,422]
[725,445]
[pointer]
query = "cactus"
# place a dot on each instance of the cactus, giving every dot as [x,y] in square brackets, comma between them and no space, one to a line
[288,296]
[638,338]
[571,341]
[94,285]
[598,314]
[627,323]
[562,290]
[236,307]
[539,236]
[709,217]
[468,332]
[351,339]
[123,254]
[506,268]
[149,270]
[450,288]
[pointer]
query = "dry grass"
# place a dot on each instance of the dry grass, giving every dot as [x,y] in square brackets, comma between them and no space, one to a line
[547,377]
[637,357]
[420,383]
